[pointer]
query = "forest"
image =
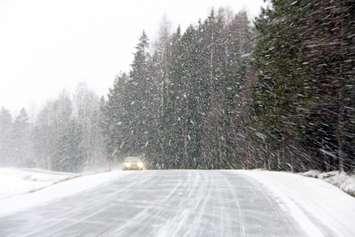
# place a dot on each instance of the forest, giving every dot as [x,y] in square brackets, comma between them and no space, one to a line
[228,92]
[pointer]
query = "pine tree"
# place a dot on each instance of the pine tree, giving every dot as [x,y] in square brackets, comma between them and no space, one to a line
[329,52]
[115,122]
[5,135]
[21,140]
[281,92]
[139,97]
[87,114]
[303,95]
[58,137]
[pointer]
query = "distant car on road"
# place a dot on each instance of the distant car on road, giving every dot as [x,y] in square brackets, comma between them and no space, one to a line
[133,163]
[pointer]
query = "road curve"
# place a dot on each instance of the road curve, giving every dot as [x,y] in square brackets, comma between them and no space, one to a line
[160,203]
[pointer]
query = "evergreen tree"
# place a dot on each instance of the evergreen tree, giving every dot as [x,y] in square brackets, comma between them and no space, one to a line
[138,87]
[58,136]
[303,93]
[87,114]
[5,137]
[21,140]
[281,91]
[115,123]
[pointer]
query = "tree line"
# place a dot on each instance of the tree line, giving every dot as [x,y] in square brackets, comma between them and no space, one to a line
[178,105]
[65,135]
[275,93]
[225,93]
[304,97]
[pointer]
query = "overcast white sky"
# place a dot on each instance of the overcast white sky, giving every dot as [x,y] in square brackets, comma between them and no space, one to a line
[49,45]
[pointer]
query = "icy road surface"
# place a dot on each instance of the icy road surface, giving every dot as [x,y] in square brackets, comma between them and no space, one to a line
[162,203]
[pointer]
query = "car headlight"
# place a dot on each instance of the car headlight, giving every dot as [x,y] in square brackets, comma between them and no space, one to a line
[127,164]
[140,164]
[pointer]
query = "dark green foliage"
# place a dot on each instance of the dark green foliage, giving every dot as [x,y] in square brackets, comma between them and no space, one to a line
[303,98]
[131,112]
[181,102]
[223,94]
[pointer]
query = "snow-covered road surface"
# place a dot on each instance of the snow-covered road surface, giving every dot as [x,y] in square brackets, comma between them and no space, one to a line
[163,203]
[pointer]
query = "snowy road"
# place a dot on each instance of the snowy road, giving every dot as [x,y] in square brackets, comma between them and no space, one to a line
[161,203]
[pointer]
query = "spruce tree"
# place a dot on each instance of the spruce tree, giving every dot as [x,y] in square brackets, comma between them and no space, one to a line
[5,136]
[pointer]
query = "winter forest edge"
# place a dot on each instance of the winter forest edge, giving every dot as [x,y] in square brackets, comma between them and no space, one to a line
[225,93]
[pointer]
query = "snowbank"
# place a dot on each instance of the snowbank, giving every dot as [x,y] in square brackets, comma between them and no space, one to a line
[15,181]
[311,201]
[57,191]
[340,179]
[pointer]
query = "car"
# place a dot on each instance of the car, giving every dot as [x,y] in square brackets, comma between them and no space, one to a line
[133,163]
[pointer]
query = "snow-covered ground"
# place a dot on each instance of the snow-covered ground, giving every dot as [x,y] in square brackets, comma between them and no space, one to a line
[340,179]
[15,181]
[311,201]
[21,189]
[179,203]
[198,203]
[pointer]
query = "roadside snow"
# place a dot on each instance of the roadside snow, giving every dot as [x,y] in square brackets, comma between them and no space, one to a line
[15,181]
[312,173]
[53,192]
[311,201]
[348,185]
[340,179]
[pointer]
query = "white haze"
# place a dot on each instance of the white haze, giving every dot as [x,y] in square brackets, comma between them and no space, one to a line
[49,45]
